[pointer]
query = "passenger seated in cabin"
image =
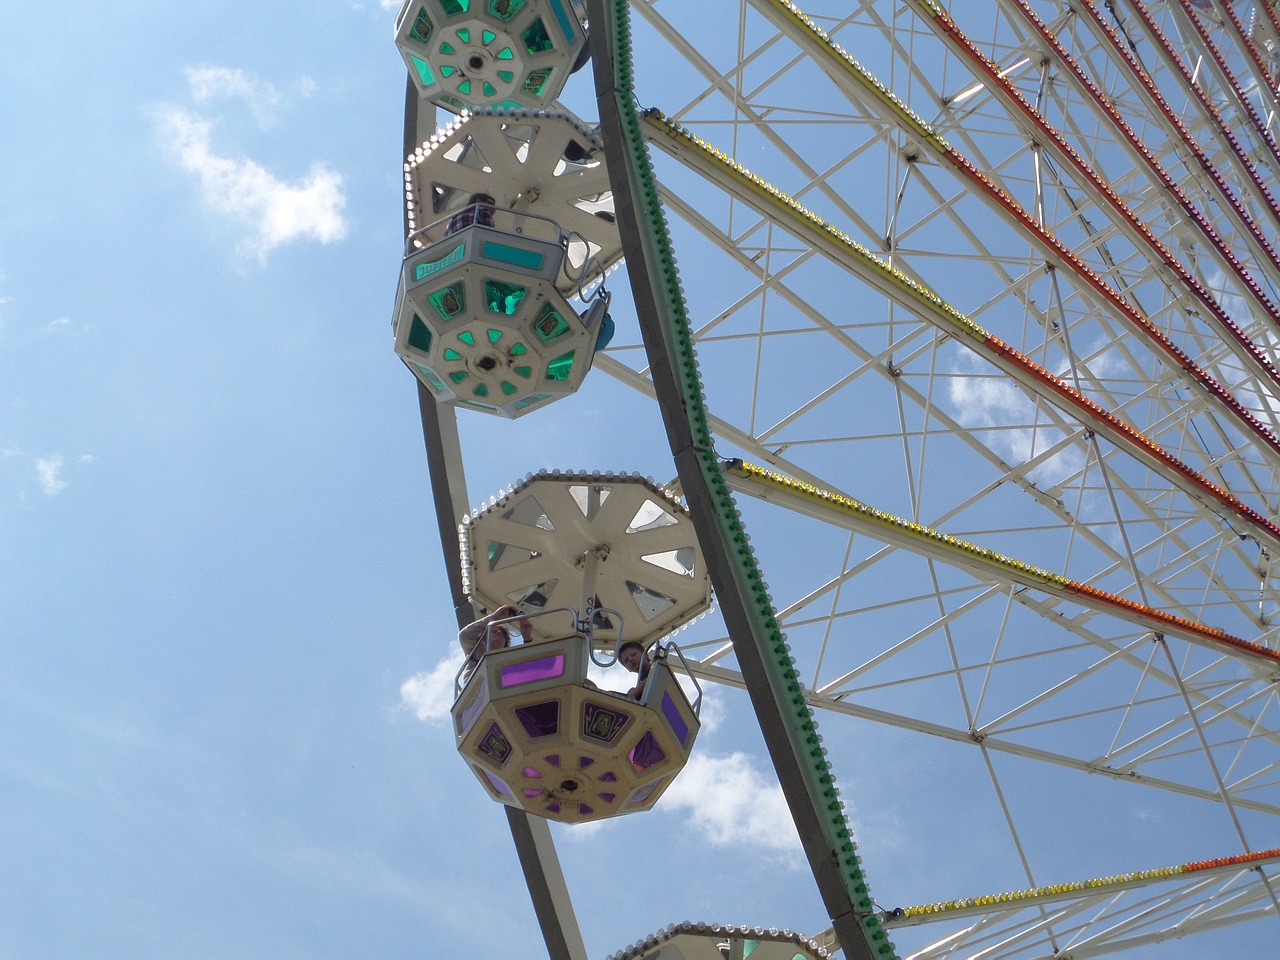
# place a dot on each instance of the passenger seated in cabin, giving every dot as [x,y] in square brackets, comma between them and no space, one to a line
[631,655]
[472,637]
[479,209]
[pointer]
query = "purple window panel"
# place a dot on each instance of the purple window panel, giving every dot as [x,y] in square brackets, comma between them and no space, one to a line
[672,713]
[607,797]
[542,669]
[646,753]
[470,711]
[539,719]
[497,784]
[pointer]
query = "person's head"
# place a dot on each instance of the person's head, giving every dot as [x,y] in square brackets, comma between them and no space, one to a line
[630,655]
[501,633]
[480,198]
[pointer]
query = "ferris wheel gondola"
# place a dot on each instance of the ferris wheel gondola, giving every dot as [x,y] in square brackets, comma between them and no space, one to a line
[592,562]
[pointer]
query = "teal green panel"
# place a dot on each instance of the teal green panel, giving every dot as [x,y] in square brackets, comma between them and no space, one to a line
[535,37]
[421,27]
[530,400]
[504,298]
[430,377]
[530,259]
[424,71]
[561,366]
[536,81]
[450,301]
[562,15]
[419,335]
[449,259]
[505,9]
[549,325]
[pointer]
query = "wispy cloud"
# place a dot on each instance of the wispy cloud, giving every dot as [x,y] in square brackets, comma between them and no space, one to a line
[731,803]
[279,212]
[983,400]
[224,83]
[430,694]
[49,470]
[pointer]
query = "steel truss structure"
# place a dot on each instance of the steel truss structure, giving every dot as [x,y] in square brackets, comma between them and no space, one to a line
[992,359]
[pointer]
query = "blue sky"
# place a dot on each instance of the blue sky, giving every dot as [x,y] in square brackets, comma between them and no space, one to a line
[224,630]
[219,562]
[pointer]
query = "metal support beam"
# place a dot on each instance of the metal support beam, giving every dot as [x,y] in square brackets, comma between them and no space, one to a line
[531,835]
[749,639]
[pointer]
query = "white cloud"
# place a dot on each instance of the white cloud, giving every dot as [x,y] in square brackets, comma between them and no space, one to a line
[218,83]
[50,470]
[989,401]
[713,709]
[430,694]
[985,400]
[310,209]
[55,324]
[731,802]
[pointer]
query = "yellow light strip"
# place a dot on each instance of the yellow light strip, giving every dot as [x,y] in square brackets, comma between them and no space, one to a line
[773,485]
[1063,891]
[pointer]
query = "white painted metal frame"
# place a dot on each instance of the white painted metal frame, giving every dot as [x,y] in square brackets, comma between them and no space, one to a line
[813,372]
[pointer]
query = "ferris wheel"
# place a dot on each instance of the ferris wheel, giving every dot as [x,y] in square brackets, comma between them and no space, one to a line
[980,347]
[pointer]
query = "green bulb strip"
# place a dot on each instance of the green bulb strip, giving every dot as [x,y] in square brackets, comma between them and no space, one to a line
[781,667]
